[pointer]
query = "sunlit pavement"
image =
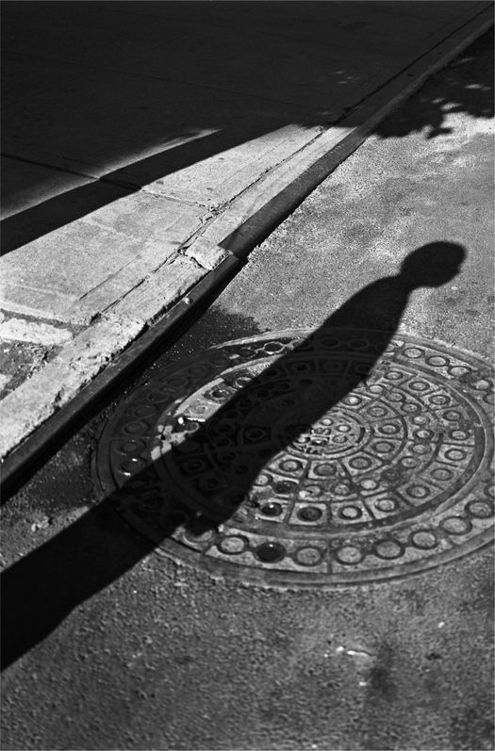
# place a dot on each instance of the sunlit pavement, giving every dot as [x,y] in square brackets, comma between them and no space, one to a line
[138,167]
[121,647]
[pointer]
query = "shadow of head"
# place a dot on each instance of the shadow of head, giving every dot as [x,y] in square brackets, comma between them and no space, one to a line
[432,265]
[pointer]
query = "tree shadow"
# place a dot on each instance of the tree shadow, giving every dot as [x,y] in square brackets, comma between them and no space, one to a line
[41,589]
[467,87]
[115,96]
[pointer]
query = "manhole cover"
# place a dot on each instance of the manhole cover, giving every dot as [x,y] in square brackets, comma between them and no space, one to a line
[309,458]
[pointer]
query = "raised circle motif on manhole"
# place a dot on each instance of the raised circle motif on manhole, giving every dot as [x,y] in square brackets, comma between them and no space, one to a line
[309,458]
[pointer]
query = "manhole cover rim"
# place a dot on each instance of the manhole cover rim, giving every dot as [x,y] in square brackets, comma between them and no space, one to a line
[105,478]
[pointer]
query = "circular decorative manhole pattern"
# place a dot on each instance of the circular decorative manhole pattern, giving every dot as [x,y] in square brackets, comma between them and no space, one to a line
[309,458]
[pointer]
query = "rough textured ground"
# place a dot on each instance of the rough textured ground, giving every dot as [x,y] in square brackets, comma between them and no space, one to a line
[120,151]
[161,656]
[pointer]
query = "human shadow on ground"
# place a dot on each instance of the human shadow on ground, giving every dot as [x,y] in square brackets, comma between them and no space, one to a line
[127,107]
[41,589]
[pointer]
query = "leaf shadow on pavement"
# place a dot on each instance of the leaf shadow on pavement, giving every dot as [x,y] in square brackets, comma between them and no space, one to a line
[109,112]
[466,87]
[42,588]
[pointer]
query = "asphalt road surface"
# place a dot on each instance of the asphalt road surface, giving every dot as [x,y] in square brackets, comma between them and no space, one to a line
[246,636]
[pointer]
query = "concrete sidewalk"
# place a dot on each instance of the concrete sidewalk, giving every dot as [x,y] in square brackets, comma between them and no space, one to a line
[148,148]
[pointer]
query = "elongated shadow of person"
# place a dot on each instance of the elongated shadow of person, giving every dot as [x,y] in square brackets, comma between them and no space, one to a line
[41,589]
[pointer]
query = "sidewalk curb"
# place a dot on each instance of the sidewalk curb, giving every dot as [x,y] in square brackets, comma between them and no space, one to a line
[41,409]
[129,356]
[257,211]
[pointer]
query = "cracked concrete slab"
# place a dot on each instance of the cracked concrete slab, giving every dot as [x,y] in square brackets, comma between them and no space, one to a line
[73,273]
[55,384]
